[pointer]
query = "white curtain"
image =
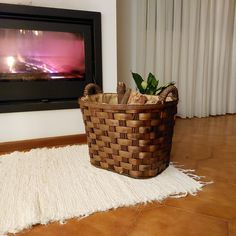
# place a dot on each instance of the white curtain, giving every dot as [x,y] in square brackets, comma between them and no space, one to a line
[191,42]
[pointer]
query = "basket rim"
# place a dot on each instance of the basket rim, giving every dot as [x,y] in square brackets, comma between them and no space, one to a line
[126,106]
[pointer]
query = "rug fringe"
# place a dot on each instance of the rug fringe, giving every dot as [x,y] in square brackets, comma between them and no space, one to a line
[190,173]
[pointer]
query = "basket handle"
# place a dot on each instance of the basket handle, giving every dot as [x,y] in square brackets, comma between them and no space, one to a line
[91,89]
[170,89]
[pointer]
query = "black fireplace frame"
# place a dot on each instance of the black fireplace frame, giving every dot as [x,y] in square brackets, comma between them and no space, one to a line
[16,96]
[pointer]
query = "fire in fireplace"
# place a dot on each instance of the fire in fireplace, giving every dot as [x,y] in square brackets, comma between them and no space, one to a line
[33,54]
[47,56]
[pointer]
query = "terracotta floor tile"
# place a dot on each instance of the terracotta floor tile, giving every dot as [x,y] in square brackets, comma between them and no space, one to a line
[207,145]
[218,125]
[217,199]
[200,139]
[226,150]
[191,151]
[218,170]
[114,222]
[169,221]
[232,228]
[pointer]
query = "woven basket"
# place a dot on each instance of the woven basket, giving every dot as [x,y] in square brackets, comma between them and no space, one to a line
[133,140]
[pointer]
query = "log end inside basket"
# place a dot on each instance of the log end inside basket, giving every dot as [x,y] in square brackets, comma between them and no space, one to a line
[126,97]
[121,89]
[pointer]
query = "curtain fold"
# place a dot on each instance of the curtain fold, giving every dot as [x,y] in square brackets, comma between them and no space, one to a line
[231,89]
[191,42]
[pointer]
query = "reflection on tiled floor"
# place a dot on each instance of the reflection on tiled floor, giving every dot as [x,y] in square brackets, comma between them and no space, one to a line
[209,146]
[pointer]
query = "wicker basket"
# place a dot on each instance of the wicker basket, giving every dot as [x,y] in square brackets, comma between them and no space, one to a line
[133,140]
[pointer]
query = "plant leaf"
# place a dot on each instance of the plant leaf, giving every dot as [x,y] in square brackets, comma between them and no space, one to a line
[138,80]
[150,90]
[151,80]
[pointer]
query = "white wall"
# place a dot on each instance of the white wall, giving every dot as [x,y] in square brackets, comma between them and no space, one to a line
[40,124]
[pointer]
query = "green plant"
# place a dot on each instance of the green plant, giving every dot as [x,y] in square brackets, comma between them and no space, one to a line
[150,86]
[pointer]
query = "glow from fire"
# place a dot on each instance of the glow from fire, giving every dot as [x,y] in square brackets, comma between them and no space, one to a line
[10,63]
[35,54]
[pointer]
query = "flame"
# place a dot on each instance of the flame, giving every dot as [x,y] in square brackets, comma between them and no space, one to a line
[10,62]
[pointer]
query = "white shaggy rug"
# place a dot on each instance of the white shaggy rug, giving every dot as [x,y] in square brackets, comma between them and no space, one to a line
[56,184]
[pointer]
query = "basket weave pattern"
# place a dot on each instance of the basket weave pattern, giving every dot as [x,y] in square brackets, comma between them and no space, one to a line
[130,140]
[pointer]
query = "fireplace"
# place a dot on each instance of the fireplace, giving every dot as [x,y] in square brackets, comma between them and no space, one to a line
[47,56]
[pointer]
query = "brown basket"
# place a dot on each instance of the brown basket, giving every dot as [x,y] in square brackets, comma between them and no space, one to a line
[133,140]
